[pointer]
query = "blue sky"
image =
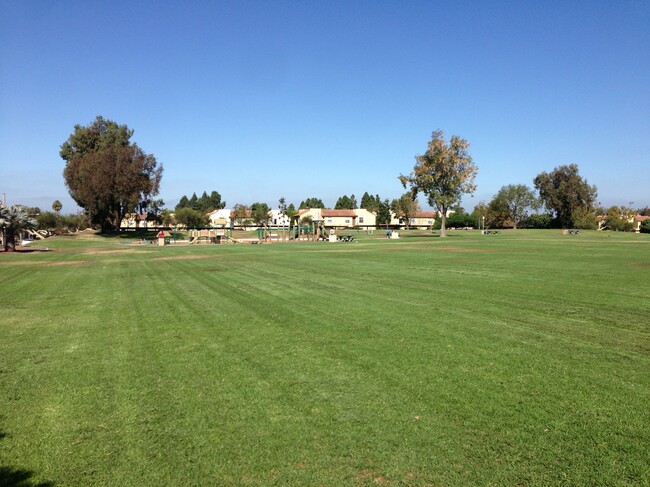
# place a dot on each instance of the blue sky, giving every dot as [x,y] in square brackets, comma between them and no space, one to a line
[259,100]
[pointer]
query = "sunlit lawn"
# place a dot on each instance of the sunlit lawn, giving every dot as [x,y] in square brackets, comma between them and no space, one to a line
[514,359]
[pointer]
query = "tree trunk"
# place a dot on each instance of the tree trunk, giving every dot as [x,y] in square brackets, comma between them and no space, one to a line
[443,225]
[443,221]
[10,240]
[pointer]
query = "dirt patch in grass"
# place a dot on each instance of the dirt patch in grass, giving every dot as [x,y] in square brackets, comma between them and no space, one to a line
[368,476]
[63,263]
[49,264]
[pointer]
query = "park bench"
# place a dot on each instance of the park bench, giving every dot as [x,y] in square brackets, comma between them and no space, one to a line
[491,232]
[346,238]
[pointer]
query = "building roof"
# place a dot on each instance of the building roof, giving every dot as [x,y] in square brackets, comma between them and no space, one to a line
[425,214]
[641,218]
[339,213]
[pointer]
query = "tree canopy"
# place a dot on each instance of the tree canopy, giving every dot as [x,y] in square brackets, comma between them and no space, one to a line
[566,194]
[346,203]
[311,203]
[204,204]
[106,173]
[443,173]
[511,205]
[370,203]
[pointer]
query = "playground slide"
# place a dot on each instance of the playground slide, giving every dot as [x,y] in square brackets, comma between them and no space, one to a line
[35,235]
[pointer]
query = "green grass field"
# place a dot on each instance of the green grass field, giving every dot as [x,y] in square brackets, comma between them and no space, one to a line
[514,359]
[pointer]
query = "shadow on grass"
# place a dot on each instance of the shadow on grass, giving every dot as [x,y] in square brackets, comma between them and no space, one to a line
[14,477]
[130,235]
[18,477]
[28,250]
[418,233]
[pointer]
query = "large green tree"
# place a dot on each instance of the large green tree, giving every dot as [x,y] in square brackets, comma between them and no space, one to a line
[512,203]
[106,173]
[566,194]
[14,220]
[443,173]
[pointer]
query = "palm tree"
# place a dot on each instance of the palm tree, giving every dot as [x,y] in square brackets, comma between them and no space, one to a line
[13,220]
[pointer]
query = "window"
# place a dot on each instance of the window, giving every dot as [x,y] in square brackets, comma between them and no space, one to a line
[360,219]
[329,220]
[347,220]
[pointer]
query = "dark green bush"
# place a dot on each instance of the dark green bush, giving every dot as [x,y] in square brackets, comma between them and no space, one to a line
[645,226]
[538,220]
[461,220]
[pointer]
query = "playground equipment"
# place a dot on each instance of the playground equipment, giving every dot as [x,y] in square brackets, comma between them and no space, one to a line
[310,232]
[207,236]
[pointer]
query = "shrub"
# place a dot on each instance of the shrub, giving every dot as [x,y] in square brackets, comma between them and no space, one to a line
[48,220]
[617,224]
[191,218]
[537,220]
[461,220]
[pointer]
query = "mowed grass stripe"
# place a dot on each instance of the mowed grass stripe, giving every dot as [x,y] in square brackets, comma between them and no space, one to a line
[317,364]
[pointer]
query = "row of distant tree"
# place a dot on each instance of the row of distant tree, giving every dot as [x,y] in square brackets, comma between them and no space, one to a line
[110,177]
[514,206]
